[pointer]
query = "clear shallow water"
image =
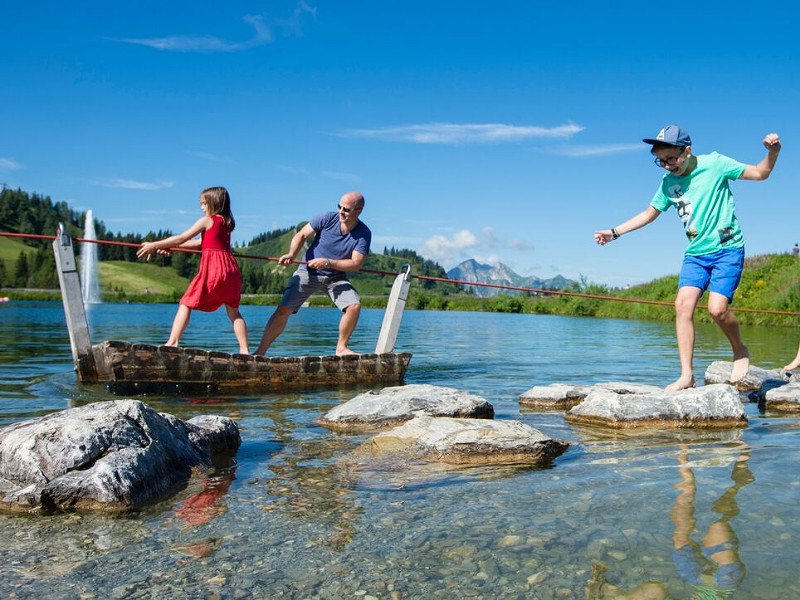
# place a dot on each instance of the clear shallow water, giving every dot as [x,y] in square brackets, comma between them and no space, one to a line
[292,519]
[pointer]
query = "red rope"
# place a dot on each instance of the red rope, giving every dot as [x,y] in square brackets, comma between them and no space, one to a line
[424,277]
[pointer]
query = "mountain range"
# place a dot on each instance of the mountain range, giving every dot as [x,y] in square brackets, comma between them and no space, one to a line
[472,270]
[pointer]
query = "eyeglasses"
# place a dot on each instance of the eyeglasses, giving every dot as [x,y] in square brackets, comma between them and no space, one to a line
[669,162]
[344,209]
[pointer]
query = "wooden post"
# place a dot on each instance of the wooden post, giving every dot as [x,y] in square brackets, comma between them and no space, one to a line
[394,311]
[78,327]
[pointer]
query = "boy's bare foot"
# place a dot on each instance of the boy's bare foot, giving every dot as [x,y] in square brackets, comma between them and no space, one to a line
[682,383]
[344,351]
[741,365]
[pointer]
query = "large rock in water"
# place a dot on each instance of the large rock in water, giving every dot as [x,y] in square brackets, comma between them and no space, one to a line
[780,394]
[391,406]
[719,371]
[105,456]
[564,395]
[465,441]
[710,406]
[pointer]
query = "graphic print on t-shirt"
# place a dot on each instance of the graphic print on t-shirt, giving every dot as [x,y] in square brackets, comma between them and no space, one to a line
[683,204]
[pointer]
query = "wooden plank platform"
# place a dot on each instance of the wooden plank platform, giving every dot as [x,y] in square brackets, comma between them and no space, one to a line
[132,369]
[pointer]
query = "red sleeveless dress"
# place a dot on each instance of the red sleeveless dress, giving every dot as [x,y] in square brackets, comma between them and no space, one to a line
[219,280]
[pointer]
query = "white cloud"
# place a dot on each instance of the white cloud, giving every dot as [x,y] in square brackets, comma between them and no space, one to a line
[601,150]
[493,259]
[206,43]
[209,156]
[462,133]
[131,184]
[351,177]
[464,244]
[9,164]
[292,170]
[291,26]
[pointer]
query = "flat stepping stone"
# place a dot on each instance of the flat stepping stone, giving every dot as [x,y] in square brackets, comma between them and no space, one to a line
[719,371]
[105,456]
[465,441]
[372,411]
[564,395]
[710,406]
[781,394]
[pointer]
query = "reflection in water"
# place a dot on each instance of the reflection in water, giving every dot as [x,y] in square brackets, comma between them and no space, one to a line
[207,505]
[302,523]
[310,485]
[714,570]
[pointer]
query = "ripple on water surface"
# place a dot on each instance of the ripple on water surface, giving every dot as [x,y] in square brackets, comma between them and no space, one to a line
[293,518]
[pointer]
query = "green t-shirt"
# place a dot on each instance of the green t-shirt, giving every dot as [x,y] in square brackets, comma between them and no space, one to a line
[704,203]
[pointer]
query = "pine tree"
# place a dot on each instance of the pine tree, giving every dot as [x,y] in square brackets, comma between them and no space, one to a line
[21,271]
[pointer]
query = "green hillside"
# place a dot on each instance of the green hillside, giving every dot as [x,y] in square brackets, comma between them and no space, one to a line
[769,282]
[10,249]
[139,278]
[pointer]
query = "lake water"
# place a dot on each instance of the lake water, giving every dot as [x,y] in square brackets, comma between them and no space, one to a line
[290,519]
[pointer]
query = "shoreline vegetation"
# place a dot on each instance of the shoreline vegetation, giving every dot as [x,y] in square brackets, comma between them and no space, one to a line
[27,272]
[769,282]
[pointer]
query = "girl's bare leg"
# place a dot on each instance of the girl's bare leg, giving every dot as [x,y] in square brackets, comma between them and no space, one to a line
[179,325]
[239,328]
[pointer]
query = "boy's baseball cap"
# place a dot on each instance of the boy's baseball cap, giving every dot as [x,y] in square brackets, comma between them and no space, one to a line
[673,135]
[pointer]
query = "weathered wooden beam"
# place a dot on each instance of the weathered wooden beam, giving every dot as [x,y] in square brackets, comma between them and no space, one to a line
[394,311]
[74,310]
[144,368]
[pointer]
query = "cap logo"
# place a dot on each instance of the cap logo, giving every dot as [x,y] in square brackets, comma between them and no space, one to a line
[660,135]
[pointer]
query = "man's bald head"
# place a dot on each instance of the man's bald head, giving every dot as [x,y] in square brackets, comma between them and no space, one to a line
[354,197]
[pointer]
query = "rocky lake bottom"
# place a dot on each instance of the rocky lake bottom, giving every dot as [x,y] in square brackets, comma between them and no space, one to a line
[291,517]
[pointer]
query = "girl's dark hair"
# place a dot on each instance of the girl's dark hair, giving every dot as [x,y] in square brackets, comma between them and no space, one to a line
[219,203]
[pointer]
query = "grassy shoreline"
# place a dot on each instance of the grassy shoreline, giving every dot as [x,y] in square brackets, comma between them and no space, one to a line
[769,282]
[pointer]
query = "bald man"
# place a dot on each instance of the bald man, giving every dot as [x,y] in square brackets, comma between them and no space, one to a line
[341,245]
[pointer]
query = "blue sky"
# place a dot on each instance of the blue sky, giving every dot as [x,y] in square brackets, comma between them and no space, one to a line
[502,131]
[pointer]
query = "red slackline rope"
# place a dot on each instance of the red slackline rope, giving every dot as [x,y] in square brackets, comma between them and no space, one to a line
[424,277]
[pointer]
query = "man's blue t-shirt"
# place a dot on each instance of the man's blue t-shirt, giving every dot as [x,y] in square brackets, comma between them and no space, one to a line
[330,243]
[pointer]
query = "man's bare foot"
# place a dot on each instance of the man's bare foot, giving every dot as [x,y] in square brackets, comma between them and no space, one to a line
[682,383]
[244,350]
[344,351]
[741,365]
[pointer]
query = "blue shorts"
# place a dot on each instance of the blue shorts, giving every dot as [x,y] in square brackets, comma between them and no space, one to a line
[718,272]
[696,566]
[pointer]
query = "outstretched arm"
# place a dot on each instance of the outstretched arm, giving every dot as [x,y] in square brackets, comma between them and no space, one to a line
[174,241]
[763,169]
[645,217]
[297,242]
[351,264]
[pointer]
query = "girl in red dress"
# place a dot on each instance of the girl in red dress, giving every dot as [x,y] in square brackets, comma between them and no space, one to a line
[219,281]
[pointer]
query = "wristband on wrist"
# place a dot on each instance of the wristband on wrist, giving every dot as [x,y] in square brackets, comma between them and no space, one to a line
[327,263]
[614,233]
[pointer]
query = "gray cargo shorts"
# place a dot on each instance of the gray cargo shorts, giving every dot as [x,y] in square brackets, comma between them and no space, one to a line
[303,284]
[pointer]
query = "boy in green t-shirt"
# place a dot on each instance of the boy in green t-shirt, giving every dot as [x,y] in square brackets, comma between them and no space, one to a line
[697,186]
